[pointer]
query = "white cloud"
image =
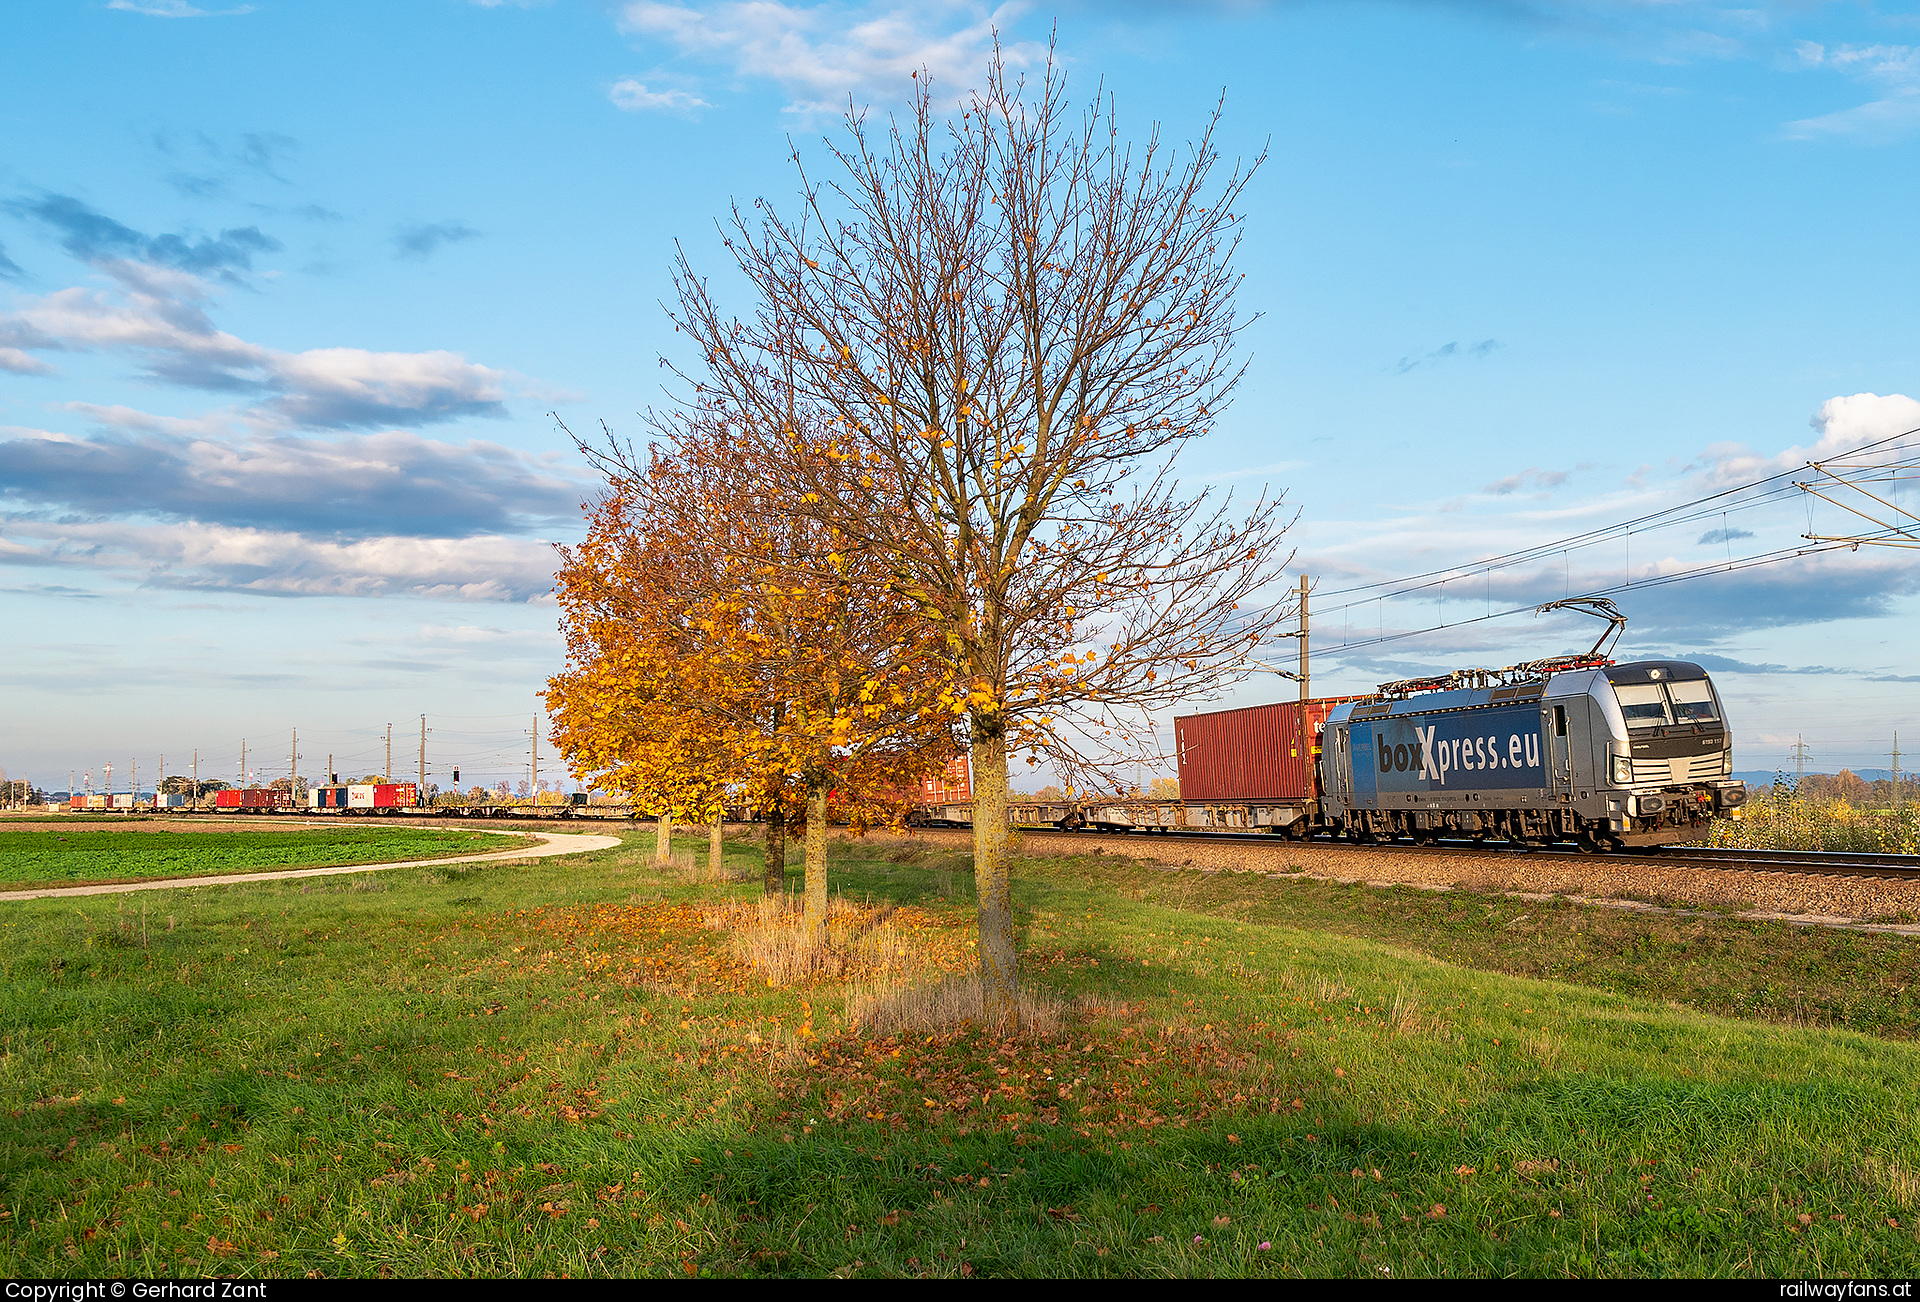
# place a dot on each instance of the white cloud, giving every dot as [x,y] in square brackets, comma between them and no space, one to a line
[1543,481]
[1843,424]
[276,563]
[1893,69]
[823,53]
[352,486]
[1861,418]
[173,9]
[157,315]
[22,363]
[1691,615]
[1250,472]
[478,635]
[634,97]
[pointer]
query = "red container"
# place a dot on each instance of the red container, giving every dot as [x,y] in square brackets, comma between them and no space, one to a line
[953,783]
[395,795]
[1260,752]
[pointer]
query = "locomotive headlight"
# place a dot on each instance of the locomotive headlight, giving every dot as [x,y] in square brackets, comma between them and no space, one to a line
[1622,771]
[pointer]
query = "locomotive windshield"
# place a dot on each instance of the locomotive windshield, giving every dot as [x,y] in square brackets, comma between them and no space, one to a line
[1652,705]
[1693,702]
[1644,704]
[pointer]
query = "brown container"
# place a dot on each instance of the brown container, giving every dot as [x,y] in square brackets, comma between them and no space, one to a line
[251,798]
[1260,752]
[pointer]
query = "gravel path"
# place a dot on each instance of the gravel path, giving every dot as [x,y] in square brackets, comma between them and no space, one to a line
[553,844]
[1864,903]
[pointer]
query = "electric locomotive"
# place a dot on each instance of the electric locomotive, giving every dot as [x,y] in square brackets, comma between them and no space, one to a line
[1605,755]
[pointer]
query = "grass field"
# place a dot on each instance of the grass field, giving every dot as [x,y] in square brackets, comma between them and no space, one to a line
[43,853]
[567,1067]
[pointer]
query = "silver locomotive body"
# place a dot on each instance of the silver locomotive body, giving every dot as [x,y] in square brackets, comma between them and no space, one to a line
[1611,756]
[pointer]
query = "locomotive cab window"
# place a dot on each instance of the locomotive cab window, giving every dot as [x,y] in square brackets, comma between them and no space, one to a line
[1644,704]
[1559,720]
[1693,702]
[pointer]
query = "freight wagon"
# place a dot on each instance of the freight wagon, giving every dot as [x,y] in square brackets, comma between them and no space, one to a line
[1252,768]
[1603,755]
[250,800]
[364,797]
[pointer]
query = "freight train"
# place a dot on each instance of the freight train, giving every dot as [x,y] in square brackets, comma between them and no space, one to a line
[1576,749]
[1606,756]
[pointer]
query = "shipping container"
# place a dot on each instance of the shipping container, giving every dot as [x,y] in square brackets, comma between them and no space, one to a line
[1261,752]
[251,798]
[173,800]
[88,802]
[395,795]
[327,797]
[953,783]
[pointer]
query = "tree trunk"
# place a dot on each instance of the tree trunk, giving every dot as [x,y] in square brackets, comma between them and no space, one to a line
[999,979]
[776,858]
[663,846]
[816,915]
[715,852]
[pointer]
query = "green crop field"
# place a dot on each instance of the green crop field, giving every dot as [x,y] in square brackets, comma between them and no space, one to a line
[45,853]
[571,1067]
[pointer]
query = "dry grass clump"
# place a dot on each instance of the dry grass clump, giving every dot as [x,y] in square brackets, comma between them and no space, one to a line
[1403,1014]
[1545,1048]
[1901,1184]
[697,866]
[1331,990]
[893,1009]
[770,935]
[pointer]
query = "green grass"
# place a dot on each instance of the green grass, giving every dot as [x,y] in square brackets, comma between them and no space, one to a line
[555,1068]
[1702,959]
[78,854]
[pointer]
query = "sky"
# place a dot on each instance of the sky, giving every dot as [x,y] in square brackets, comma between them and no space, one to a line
[295,300]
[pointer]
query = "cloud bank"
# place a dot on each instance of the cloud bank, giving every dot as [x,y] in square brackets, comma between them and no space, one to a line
[821,54]
[309,481]
[352,488]
[157,314]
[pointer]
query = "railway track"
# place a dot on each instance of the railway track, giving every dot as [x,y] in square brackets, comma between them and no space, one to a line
[1819,863]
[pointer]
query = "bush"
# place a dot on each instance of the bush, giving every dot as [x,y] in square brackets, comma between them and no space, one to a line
[1781,818]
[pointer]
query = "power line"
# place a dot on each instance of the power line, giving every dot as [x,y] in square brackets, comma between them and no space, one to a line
[1658,581]
[1763,492]
[1772,489]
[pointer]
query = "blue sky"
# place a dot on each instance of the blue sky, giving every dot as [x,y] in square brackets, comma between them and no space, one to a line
[287,292]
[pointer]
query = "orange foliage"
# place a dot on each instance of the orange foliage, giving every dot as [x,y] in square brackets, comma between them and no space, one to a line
[719,643]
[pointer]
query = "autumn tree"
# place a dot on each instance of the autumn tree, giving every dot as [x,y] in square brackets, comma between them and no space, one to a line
[751,644]
[620,710]
[1011,321]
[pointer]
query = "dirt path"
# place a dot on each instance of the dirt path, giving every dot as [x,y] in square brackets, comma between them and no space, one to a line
[553,843]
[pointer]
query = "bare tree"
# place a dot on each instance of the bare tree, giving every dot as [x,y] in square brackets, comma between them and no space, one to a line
[1010,321]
